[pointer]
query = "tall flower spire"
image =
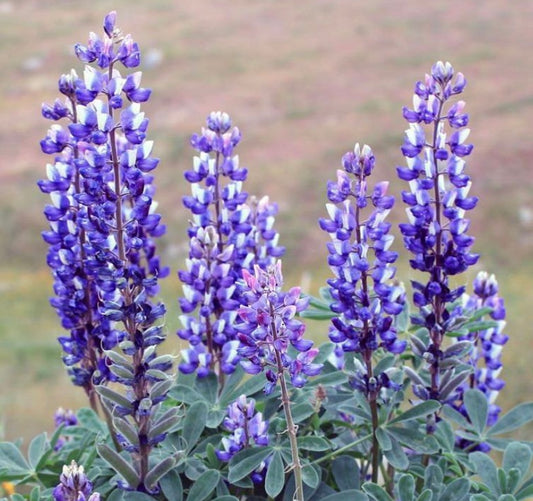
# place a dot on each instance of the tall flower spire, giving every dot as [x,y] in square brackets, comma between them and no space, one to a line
[102,218]
[228,234]
[365,300]
[103,226]
[435,149]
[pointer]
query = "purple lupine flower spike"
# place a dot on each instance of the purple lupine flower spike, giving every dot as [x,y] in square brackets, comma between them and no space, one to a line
[247,428]
[101,159]
[269,327]
[485,356]
[435,148]
[74,485]
[365,298]
[227,235]
[103,229]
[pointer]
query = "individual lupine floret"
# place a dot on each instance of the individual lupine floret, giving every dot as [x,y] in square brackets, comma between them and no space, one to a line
[227,235]
[246,426]
[269,327]
[74,485]
[103,230]
[436,233]
[485,356]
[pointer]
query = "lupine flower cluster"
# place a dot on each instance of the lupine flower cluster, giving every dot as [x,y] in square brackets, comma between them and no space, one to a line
[364,298]
[269,327]
[102,234]
[235,313]
[102,218]
[64,417]
[247,428]
[227,235]
[436,233]
[74,485]
[487,343]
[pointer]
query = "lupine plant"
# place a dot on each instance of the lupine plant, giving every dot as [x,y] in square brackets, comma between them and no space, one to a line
[398,403]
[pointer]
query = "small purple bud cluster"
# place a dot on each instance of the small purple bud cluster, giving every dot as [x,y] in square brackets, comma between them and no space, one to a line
[359,252]
[436,233]
[102,219]
[63,417]
[269,327]
[246,426]
[74,485]
[486,354]
[227,235]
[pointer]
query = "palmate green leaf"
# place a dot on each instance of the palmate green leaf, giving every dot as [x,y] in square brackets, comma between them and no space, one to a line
[90,420]
[208,387]
[414,439]
[486,469]
[377,492]
[35,494]
[455,416]
[227,497]
[119,464]
[246,461]
[329,379]
[137,496]
[425,495]
[249,387]
[506,497]
[457,490]
[185,393]
[345,472]
[384,440]
[311,475]
[477,408]
[352,495]
[406,488]
[302,411]
[512,420]
[419,411]
[12,463]
[38,451]
[526,491]
[315,444]
[171,486]
[514,475]
[204,486]
[445,436]
[194,424]
[275,477]
[231,383]
[396,456]
[517,456]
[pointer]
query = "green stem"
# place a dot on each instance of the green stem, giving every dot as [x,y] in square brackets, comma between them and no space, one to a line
[291,430]
[291,427]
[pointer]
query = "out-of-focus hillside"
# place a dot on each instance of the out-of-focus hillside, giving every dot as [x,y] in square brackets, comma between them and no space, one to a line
[303,81]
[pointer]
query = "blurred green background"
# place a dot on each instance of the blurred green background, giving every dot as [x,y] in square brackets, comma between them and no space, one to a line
[304,80]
